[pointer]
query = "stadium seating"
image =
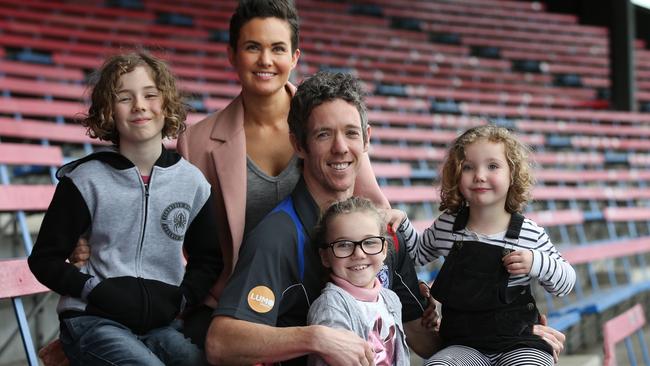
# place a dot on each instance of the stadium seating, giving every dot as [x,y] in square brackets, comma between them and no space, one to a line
[19,198]
[601,297]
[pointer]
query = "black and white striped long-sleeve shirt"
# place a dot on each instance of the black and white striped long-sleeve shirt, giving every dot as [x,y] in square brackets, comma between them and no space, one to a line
[552,271]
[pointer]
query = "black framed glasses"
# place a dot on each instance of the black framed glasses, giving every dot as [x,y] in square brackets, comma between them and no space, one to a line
[371,245]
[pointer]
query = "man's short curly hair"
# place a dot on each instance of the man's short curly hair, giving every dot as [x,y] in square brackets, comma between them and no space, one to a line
[105,83]
[320,88]
[517,156]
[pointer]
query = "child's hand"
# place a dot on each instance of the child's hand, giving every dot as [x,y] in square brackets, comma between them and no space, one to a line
[518,262]
[393,217]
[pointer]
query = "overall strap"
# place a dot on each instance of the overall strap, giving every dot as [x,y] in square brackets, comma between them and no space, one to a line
[514,227]
[286,206]
[461,219]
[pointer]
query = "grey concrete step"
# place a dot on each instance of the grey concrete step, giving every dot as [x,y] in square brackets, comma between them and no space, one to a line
[580,360]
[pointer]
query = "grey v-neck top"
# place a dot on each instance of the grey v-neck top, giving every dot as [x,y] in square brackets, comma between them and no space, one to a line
[264,192]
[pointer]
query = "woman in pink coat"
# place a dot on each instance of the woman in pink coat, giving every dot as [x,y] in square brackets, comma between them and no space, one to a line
[244,150]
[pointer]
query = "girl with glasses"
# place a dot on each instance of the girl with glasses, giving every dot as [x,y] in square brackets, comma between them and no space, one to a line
[353,247]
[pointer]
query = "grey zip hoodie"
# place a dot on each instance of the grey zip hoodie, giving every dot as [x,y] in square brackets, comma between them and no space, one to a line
[137,234]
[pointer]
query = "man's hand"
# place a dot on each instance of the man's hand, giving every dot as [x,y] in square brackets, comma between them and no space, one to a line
[342,347]
[81,253]
[518,262]
[52,354]
[430,317]
[551,336]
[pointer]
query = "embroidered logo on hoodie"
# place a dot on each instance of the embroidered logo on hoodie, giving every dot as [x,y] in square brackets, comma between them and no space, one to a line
[174,220]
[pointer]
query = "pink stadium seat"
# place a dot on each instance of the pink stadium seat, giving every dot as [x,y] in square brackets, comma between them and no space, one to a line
[395,170]
[40,71]
[101,23]
[556,217]
[412,153]
[87,61]
[615,214]
[439,137]
[411,194]
[419,194]
[580,254]
[98,37]
[582,128]
[594,60]
[639,159]
[621,328]
[52,45]
[543,218]
[197,11]
[590,193]
[509,22]
[569,158]
[495,97]
[16,280]
[613,143]
[609,116]
[84,10]
[532,50]
[37,130]
[40,107]
[25,154]
[599,44]
[578,176]
[364,40]
[417,135]
[42,88]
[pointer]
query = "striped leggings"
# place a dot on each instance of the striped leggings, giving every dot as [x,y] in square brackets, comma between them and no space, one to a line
[466,356]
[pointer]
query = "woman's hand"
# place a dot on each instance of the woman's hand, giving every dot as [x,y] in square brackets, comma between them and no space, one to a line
[393,217]
[81,253]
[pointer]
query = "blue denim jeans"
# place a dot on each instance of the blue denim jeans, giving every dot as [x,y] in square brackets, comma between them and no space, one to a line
[92,340]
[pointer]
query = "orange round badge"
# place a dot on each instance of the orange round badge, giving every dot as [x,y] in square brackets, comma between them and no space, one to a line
[261,299]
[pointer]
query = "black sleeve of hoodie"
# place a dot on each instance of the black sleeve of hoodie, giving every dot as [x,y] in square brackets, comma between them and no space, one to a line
[65,221]
[204,258]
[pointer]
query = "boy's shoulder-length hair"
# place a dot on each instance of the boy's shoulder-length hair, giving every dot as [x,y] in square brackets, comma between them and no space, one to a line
[105,81]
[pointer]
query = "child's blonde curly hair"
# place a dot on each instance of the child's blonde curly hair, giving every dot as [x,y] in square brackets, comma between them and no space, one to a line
[517,155]
[99,120]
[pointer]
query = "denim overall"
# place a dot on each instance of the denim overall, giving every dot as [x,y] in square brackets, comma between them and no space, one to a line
[479,310]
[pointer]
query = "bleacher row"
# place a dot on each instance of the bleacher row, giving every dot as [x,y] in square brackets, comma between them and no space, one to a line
[433,68]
